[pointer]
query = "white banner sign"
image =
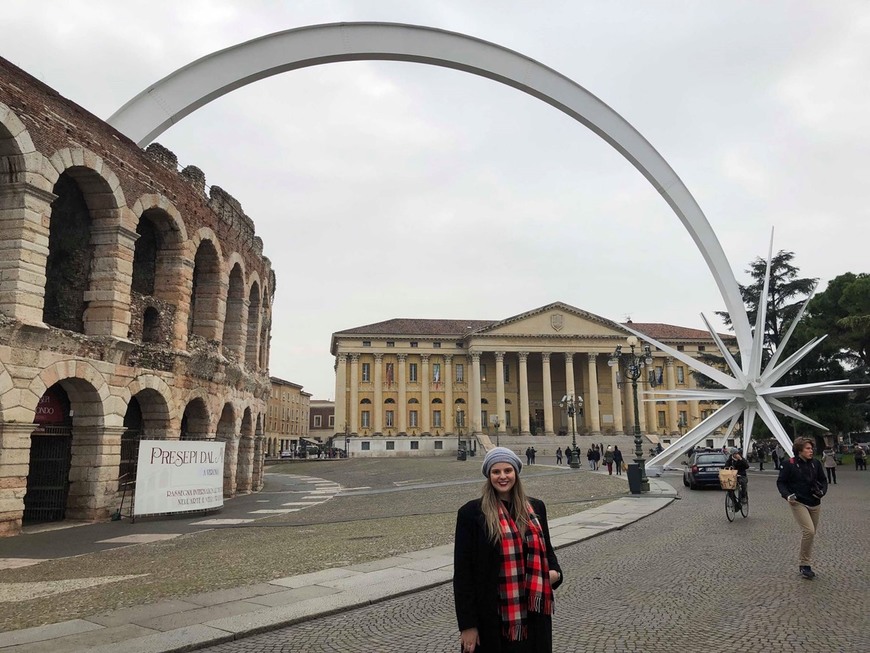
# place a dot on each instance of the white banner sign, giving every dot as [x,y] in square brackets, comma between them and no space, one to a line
[179,475]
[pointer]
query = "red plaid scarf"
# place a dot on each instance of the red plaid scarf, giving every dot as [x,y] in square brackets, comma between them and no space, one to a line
[523,585]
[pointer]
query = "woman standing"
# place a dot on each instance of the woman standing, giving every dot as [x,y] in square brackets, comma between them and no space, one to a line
[802,483]
[829,460]
[608,459]
[505,569]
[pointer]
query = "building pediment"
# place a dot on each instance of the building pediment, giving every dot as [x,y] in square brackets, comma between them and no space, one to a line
[555,320]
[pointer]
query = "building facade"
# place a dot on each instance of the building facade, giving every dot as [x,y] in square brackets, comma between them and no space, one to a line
[432,381]
[321,425]
[133,305]
[287,420]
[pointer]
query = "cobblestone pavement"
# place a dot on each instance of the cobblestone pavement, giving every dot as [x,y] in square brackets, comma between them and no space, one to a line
[682,579]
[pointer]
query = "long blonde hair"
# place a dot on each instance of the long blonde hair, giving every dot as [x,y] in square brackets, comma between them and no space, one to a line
[519,509]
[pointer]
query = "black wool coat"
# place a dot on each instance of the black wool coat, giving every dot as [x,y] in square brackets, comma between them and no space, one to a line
[476,567]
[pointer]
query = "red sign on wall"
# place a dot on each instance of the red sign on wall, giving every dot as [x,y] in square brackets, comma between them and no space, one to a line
[51,409]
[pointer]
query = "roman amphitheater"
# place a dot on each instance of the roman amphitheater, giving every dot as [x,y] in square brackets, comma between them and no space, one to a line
[135,302]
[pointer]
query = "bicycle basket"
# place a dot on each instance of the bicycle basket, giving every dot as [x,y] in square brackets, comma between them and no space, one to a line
[728,479]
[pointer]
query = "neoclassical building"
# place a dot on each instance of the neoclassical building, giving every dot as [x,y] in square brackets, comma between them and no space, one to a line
[134,303]
[436,379]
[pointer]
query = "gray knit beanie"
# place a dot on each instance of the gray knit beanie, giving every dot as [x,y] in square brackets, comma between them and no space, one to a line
[501,455]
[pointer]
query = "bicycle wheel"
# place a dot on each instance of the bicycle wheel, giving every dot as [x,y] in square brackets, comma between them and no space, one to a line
[744,504]
[730,507]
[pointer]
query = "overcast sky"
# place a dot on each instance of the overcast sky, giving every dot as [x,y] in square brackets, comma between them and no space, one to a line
[388,190]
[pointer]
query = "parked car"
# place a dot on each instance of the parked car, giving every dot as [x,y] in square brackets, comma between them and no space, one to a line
[286,454]
[703,469]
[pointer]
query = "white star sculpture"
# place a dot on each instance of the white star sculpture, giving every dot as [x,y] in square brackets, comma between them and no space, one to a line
[748,390]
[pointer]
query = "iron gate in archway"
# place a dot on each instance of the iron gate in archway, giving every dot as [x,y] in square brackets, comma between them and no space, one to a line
[48,475]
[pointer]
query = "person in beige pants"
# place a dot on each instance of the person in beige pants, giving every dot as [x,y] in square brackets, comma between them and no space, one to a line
[802,483]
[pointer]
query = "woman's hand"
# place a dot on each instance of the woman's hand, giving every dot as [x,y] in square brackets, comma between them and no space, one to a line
[554,576]
[470,639]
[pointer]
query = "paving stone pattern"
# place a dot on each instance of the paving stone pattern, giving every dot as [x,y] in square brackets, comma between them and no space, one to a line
[682,579]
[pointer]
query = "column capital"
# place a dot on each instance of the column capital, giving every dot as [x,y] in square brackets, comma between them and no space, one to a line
[669,361]
[499,356]
[402,357]
[545,356]
[354,358]
[342,358]
[475,356]
[592,355]
[379,358]
[569,356]
[448,358]
[523,355]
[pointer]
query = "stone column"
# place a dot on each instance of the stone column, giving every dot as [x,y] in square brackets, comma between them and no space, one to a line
[449,409]
[257,475]
[403,397]
[108,293]
[426,408]
[475,393]
[671,381]
[569,374]
[93,474]
[499,390]
[24,218]
[618,424]
[378,401]
[353,409]
[245,465]
[548,394]
[340,393]
[594,414]
[524,393]
[14,466]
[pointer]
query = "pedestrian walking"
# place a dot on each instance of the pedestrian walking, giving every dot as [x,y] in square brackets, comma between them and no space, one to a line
[774,456]
[802,483]
[589,457]
[504,565]
[762,455]
[860,459]
[829,460]
[608,460]
[617,460]
[528,455]
[596,458]
[533,451]
[559,456]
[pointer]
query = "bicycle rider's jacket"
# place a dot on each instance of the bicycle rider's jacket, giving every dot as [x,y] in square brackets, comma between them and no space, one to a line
[798,476]
[740,465]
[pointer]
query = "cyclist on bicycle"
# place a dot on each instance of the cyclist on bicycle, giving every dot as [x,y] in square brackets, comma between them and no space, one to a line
[738,462]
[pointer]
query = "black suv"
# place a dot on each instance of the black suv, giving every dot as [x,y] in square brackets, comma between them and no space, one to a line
[703,469]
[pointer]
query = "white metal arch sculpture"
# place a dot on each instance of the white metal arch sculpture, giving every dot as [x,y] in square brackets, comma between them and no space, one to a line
[750,391]
[168,101]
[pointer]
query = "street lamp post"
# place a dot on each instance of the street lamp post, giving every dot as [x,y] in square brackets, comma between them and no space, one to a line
[346,438]
[458,429]
[632,364]
[496,422]
[573,404]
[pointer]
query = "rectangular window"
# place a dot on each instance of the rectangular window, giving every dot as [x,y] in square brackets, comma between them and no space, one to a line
[436,345]
[459,344]
[389,418]
[367,343]
[391,343]
[415,445]
[436,372]
[391,446]
[331,421]
[412,418]
[317,421]
[483,419]
[390,373]
[412,372]
[661,419]
[366,419]
[660,375]
[366,372]
[684,418]
[436,418]
[680,347]
[702,348]
[460,418]
[365,446]
[681,375]
[460,373]
[439,444]
[482,373]
[413,345]
[507,418]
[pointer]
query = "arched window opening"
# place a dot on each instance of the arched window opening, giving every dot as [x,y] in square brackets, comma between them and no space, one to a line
[148,244]
[48,472]
[68,267]
[234,324]
[253,326]
[205,292]
[130,444]
[194,422]
[366,401]
[151,325]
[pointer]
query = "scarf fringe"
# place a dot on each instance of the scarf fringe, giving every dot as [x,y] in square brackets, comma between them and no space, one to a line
[516,633]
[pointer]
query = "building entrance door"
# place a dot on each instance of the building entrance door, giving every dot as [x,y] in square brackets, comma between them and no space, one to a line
[538,426]
[48,478]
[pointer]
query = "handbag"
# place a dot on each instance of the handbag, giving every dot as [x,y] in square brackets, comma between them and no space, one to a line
[624,467]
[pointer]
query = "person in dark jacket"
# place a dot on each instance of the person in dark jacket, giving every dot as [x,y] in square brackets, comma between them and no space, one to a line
[802,483]
[505,568]
[617,460]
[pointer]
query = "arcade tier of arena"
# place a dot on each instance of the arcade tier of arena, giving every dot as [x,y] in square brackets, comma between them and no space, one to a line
[135,303]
